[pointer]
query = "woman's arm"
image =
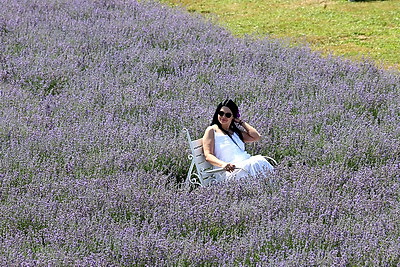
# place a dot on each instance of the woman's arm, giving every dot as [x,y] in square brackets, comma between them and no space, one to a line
[250,134]
[208,149]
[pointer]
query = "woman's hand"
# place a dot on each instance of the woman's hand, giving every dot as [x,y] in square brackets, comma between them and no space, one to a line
[237,120]
[249,134]
[229,167]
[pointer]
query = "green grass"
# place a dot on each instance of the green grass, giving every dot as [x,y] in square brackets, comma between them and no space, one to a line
[355,30]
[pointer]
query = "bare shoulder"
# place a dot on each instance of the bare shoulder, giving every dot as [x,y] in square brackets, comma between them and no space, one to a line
[209,132]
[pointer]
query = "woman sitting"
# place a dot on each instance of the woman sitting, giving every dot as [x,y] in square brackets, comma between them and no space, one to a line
[223,144]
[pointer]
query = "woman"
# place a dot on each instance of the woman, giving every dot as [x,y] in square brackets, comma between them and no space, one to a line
[223,144]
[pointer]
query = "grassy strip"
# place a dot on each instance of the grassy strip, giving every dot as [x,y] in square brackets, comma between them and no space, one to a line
[356,30]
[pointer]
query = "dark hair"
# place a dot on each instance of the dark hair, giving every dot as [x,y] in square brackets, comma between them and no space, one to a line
[235,112]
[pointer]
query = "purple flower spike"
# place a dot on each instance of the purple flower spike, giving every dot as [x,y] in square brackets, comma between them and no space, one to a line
[94,96]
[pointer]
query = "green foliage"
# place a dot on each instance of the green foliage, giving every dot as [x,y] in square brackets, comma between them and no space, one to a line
[46,86]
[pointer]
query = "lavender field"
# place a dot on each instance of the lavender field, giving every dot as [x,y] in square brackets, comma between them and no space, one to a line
[94,95]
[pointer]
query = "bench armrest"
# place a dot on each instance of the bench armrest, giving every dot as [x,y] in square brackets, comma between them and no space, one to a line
[219,170]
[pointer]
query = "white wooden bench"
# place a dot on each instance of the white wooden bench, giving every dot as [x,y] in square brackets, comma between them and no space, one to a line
[201,172]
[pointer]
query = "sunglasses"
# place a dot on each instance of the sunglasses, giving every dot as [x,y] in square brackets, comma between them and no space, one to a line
[228,115]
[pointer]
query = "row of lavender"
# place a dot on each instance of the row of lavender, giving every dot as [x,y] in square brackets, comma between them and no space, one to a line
[319,218]
[93,99]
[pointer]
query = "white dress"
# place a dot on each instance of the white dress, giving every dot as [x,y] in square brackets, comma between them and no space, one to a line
[226,150]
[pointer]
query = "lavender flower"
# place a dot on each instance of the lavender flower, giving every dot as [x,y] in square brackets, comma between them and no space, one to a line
[93,99]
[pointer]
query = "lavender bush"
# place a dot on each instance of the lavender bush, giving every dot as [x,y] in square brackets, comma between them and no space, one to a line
[93,99]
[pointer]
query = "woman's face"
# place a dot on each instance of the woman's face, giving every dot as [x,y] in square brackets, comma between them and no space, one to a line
[225,116]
